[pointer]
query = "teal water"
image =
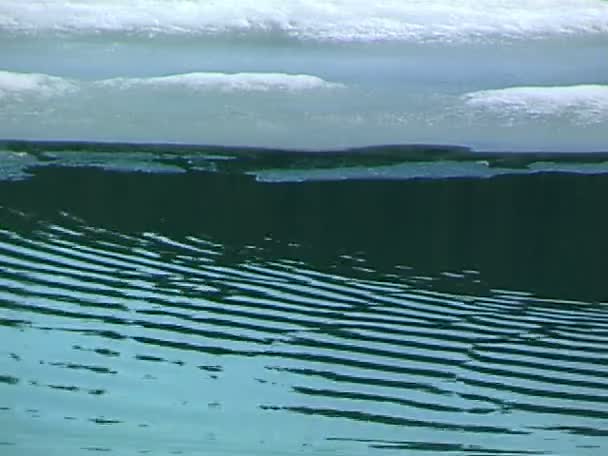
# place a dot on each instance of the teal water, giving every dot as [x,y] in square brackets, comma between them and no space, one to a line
[297,288]
[163,300]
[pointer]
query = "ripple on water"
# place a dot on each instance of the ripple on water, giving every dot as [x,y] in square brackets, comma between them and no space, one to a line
[135,342]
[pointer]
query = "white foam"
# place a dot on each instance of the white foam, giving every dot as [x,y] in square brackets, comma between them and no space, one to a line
[445,20]
[43,85]
[18,84]
[586,103]
[225,82]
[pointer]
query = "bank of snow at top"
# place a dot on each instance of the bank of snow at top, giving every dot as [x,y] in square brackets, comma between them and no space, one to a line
[507,75]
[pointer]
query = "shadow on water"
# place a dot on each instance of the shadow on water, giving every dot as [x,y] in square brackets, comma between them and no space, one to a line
[209,312]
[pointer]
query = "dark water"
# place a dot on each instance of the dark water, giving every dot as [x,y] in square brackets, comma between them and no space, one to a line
[222,305]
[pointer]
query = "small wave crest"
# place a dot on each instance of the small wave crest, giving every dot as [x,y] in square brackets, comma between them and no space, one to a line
[19,84]
[588,103]
[12,83]
[227,82]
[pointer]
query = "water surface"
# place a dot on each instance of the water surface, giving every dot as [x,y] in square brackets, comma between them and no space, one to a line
[155,306]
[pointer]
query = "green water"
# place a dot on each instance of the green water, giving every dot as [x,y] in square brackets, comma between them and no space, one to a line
[202,309]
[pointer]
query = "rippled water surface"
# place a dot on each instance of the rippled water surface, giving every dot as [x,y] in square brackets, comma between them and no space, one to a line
[203,312]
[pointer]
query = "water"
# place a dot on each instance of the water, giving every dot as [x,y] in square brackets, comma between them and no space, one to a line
[306,227]
[490,74]
[165,300]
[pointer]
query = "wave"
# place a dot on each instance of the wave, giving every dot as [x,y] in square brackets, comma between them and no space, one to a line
[44,85]
[227,82]
[336,20]
[299,110]
[588,103]
[13,83]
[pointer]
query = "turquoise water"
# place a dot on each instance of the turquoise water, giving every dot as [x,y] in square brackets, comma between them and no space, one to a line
[333,227]
[155,306]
